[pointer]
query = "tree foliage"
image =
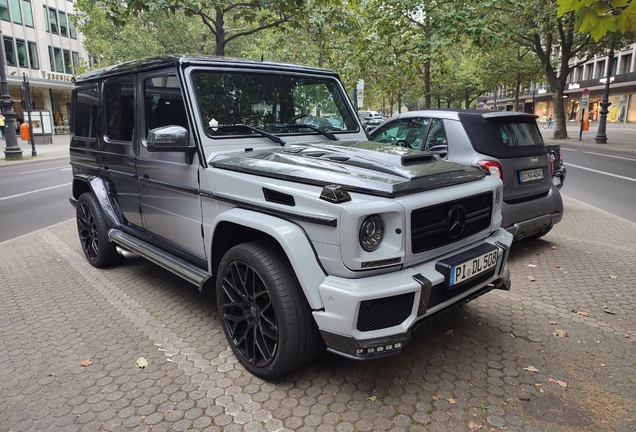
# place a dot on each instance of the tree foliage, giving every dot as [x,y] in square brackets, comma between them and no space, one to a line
[600,17]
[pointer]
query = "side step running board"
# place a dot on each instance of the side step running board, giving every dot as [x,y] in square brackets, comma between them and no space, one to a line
[176,265]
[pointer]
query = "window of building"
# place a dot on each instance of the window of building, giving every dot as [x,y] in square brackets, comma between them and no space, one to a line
[16,13]
[588,70]
[23,59]
[52,59]
[27,12]
[68,66]
[71,27]
[46,18]
[9,51]
[614,66]
[600,69]
[76,62]
[579,73]
[53,20]
[4,10]
[33,55]
[86,103]
[120,110]
[626,63]
[62,23]
[59,61]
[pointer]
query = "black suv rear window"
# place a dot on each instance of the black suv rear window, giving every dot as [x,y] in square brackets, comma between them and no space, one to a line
[504,137]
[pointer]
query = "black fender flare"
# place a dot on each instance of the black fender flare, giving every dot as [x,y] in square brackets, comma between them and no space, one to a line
[99,188]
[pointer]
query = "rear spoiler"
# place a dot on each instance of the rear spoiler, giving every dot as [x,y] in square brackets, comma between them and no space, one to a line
[500,114]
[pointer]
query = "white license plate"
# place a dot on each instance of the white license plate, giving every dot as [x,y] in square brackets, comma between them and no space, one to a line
[473,267]
[529,175]
[556,181]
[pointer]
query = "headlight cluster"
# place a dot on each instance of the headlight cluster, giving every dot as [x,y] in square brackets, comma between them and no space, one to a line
[371,233]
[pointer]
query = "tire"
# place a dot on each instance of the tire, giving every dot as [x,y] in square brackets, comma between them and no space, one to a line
[93,233]
[265,316]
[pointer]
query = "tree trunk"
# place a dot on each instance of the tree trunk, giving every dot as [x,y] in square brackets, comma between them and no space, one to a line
[467,100]
[517,85]
[399,102]
[427,67]
[219,25]
[560,128]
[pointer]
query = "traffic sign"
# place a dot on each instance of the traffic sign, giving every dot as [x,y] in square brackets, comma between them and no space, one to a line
[586,92]
[585,98]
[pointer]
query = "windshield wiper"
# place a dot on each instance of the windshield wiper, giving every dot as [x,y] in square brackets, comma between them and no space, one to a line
[258,131]
[307,126]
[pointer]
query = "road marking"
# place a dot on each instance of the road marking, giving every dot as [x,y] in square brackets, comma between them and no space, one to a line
[602,172]
[46,169]
[617,157]
[34,191]
[567,149]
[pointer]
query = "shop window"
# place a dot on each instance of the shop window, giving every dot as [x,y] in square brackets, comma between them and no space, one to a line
[23,60]
[27,12]
[4,10]
[16,13]
[33,55]
[59,61]
[71,27]
[9,51]
[46,18]
[120,110]
[53,20]
[68,66]
[63,23]
[86,104]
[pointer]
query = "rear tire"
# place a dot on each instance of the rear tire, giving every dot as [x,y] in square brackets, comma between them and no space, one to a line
[264,314]
[92,229]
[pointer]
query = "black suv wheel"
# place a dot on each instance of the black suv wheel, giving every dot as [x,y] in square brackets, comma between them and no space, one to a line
[265,316]
[93,233]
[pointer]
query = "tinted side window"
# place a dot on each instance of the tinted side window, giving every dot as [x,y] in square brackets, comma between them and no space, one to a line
[120,110]
[402,131]
[436,135]
[163,103]
[86,104]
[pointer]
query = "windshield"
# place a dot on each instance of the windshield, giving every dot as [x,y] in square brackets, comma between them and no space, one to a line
[269,102]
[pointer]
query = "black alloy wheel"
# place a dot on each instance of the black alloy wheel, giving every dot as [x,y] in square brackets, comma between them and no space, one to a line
[93,232]
[265,316]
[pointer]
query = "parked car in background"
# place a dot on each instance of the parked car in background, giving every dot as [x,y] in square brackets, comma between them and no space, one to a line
[508,143]
[558,167]
[369,115]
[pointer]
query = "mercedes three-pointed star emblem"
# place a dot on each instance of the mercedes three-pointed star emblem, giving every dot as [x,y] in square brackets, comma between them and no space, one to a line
[456,221]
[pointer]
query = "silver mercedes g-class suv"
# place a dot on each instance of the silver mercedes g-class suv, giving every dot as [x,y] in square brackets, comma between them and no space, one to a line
[256,179]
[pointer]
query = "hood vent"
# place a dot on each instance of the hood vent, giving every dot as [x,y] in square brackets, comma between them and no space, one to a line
[278,197]
[417,159]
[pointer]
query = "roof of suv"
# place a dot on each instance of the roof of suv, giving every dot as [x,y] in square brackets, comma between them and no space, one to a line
[158,62]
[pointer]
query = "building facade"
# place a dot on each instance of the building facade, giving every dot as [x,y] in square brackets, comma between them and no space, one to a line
[587,74]
[42,44]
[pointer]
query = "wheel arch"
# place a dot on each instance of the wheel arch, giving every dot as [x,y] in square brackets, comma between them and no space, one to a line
[91,183]
[239,225]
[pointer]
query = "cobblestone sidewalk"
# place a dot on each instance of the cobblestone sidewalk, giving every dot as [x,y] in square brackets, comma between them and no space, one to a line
[498,363]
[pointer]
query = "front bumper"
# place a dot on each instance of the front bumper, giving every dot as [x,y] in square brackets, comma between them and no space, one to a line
[373,317]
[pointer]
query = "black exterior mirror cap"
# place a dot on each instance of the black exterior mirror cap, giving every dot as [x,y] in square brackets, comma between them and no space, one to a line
[169,139]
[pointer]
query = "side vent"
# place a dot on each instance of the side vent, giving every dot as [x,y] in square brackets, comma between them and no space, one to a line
[278,197]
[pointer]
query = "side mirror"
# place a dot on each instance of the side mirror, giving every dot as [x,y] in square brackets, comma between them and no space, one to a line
[440,151]
[169,139]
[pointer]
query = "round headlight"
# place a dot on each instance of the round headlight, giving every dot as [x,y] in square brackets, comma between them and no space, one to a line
[371,233]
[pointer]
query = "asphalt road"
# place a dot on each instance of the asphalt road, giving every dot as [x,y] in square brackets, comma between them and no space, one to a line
[34,196]
[603,178]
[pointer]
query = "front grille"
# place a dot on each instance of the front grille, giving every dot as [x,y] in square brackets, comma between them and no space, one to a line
[429,225]
[440,294]
[385,312]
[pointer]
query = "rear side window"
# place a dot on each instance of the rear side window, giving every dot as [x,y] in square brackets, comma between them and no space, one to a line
[86,103]
[120,110]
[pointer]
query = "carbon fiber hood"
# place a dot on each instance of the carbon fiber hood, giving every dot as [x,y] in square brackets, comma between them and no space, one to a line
[360,166]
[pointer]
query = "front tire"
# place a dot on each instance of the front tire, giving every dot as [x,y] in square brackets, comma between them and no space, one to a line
[264,314]
[92,229]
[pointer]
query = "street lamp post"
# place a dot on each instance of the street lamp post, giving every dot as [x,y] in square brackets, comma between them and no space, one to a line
[12,149]
[601,137]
